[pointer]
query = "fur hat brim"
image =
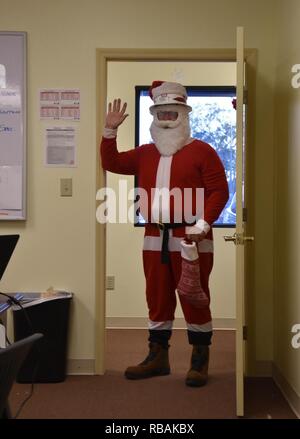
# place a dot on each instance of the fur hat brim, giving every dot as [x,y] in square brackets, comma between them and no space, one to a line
[171,102]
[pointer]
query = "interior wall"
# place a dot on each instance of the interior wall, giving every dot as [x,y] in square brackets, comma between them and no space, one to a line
[124,241]
[287,184]
[57,243]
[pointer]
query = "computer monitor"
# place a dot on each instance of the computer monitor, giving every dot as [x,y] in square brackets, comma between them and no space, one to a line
[7,246]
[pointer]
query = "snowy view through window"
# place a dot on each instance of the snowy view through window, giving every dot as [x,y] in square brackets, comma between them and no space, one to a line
[213,120]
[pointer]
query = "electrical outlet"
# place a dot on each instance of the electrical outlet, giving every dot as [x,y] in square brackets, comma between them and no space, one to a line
[66,187]
[110,282]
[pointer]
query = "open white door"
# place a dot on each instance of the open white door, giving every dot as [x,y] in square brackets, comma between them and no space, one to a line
[239,238]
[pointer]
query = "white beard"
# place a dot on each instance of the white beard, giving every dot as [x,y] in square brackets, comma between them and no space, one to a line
[170,136]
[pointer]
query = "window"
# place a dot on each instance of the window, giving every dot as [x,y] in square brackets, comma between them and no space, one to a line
[212,120]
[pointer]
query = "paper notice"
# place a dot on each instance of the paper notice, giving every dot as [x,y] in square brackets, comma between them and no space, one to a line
[60,147]
[59,104]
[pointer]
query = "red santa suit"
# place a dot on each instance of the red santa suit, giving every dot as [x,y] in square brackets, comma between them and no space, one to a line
[196,165]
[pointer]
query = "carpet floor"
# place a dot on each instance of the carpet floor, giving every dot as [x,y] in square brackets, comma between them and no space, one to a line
[111,396]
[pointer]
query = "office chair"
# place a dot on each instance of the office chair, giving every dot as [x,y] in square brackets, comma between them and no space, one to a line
[11,359]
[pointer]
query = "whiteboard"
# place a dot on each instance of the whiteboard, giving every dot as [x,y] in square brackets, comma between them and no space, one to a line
[13,50]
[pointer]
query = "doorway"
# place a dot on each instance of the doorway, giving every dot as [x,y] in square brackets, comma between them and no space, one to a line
[103,58]
[125,302]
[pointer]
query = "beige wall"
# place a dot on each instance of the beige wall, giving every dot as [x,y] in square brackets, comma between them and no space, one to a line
[287,184]
[124,242]
[57,242]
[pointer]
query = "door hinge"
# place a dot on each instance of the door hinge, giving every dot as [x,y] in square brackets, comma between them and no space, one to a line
[245,332]
[245,214]
[245,98]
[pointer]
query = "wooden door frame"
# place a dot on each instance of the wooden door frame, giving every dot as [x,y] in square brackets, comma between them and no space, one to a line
[103,56]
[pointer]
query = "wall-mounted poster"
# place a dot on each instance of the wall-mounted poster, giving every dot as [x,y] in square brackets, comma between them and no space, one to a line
[60,104]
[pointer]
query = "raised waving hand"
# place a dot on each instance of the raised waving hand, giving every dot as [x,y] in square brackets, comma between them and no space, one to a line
[116,114]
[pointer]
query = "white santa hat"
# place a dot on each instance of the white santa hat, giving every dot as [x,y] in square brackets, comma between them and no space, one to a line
[166,93]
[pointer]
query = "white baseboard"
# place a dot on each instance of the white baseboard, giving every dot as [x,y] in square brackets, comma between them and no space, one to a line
[81,367]
[142,323]
[287,390]
[269,369]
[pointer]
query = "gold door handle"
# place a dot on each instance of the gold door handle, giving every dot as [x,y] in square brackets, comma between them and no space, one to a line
[238,238]
[230,238]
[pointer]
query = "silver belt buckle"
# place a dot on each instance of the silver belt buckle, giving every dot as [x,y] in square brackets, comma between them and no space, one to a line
[160,225]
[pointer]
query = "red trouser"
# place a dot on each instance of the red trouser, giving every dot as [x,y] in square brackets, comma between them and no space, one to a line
[162,279]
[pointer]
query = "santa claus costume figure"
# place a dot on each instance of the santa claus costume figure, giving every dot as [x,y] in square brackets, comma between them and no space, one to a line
[174,161]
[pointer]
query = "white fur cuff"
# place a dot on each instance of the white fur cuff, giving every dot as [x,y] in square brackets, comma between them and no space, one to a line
[199,227]
[189,251]
[110,133]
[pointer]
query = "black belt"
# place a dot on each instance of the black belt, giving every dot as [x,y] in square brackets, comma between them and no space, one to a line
[165,227]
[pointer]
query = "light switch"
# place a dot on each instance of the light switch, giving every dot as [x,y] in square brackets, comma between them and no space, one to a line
[66,187]
[110,282]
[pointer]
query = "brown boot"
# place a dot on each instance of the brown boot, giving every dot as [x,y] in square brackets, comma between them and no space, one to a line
[156,363]
[198,374]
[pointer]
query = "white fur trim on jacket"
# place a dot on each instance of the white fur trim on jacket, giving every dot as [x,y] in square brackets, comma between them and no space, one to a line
[154,243]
